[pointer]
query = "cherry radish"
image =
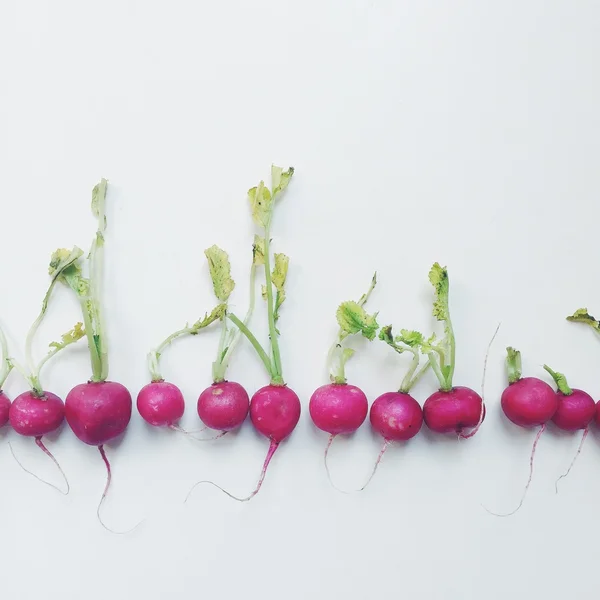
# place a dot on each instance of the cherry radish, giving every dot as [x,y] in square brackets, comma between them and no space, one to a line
[339,408]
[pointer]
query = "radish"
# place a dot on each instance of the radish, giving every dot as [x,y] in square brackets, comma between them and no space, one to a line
[576,410]
[340,408]
[37,412]
[527,402]
[397,416]
[5,370]
[97,411]
[275,408]
[224,405]
[452,408]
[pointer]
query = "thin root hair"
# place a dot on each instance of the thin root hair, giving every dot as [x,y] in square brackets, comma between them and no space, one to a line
[535,443]
[272,448]
[40,444]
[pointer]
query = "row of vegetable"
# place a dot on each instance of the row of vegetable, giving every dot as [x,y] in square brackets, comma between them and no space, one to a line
[99,410]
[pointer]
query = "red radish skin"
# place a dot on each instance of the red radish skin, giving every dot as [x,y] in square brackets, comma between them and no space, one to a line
[160,403]
[4,409]
[529,402]
[275,411]
[35,416]
[338,408]
[397,416]
[575,411]
[98,412]
[224,405]
[453,411]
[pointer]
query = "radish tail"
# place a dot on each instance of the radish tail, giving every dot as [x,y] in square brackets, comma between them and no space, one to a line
[535,443]
[329,442]
[386,443]
[471,433]
[272,448]
[105,492]
[40,444]
[190,434]
[585,432]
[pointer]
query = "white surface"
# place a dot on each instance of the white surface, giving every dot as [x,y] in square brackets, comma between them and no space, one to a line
[465,132]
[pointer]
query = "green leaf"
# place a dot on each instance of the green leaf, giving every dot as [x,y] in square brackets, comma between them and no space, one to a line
[261,203]
[582,315]
[72,336]
[218,313]
[427,345]
[385,335]
[410,338]
[280,179]
[352,318]
[65,267]
[438,277]
[280,270]
[263,291]
[220,272]
[258,251]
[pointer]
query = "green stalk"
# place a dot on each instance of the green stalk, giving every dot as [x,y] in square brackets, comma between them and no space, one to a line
[273,335]
[97,338]
[6,364]
[218,373]
[275,378]
[560,380]
[410,379]
[223,359]
[438,372]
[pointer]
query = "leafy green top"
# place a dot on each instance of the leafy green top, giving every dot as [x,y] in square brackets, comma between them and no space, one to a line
[220,272]
[441,353]
[262,201]
[408,341]
[352,319]
[581,315]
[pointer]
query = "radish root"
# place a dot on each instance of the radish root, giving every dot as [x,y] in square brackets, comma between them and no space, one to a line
[466,436]
[190,434]
[105,492]
[585,433]
[40,444]
[272,448]
[386,443]
[535,443]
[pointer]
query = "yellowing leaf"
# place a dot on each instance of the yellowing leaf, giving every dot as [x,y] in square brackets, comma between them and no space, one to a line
[220,272]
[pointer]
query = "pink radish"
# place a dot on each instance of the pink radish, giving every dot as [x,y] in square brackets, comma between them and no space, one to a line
[397,416]
[274,409]
[451,409]
[337,407]
[576,410]
[160,403]
[527,402]
[224,405]
[37,412]
[97,411]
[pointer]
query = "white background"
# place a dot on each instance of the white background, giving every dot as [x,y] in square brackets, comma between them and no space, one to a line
[465,132]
